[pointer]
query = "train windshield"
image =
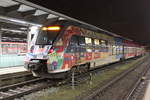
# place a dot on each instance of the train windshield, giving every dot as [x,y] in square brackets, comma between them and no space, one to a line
[46,37]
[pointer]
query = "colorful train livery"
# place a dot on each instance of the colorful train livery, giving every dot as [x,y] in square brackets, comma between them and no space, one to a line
[64,45]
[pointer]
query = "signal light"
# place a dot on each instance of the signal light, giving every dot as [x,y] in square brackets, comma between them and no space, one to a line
[51,28]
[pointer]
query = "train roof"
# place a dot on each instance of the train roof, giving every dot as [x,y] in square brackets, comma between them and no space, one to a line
[60,16]
[69,22]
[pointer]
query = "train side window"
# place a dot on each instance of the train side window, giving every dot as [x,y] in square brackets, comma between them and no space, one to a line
[103,43]
[89,47]
[88,40]
[107,46]
[114,50]
[96,42]
[117,49]
[120,49]
[125,50]
[81,40]
[106,42]
[96,47]
[111,50]
[82,46]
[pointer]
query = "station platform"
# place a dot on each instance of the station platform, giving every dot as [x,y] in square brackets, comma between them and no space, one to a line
[11,60]
[12,70]
[147,94]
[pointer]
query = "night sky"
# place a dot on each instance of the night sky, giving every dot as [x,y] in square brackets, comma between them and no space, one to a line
[129,18]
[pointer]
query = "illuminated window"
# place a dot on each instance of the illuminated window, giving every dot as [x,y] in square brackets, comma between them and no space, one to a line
[103,42]
[114,50]
[96,42]
[88,40]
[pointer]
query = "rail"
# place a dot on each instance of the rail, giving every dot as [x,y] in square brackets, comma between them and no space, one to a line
[137,84]
[104,88]
[17,90]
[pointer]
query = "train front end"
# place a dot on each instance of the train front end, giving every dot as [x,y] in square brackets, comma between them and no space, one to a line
[38,59]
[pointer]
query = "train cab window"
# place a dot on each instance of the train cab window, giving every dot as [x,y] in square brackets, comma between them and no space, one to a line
[59,43]
[32,35]
[46,37]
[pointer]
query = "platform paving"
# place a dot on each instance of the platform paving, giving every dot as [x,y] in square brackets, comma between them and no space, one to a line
[147,94]
[12,70]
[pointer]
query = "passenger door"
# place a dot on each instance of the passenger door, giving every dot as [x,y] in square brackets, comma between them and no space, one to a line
[81,49]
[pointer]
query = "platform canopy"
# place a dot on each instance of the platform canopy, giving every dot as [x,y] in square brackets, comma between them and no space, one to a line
[25,13]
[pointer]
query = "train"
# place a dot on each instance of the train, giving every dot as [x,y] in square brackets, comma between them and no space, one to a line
[63,46]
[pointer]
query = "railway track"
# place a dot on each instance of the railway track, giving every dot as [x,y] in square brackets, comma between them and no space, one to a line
[78,78]
[17,90]
[81,78]
[13,78]
[20,89]
[94,94]
[135,92]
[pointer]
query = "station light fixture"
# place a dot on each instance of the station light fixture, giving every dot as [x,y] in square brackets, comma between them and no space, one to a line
[12,30]
[23,28]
